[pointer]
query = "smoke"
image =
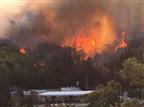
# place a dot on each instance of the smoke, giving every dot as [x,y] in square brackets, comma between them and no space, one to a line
[128,15]
[30,23]
[49,21]
[8,10]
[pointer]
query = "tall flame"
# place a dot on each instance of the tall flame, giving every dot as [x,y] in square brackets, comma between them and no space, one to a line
[123,43]
[93,40]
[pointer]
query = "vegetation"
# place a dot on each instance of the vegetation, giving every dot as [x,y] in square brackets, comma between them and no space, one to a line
[131,103]
[133,72]
[105,96]
[52,66]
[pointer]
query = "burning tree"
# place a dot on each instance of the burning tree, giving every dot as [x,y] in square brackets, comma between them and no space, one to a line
[22,50]
[123,43]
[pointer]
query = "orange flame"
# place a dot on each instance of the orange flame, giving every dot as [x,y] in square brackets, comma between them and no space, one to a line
[93,40]
[22,50]
[123,43]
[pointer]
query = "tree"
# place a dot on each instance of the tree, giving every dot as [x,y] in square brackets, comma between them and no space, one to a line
[131,103]
[4,86]
[20,101]
[105,96]
[133,72]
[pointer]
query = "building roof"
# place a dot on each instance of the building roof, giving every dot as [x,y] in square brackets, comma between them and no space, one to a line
[65,93]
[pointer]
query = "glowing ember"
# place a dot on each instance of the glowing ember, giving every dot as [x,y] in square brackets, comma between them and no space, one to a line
[95,39]
[123,43]
[22,51]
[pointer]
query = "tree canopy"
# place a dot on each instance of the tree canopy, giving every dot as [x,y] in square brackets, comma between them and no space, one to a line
[133,72]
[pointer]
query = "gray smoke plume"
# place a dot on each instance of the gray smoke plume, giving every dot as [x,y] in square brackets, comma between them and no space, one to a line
[53,21]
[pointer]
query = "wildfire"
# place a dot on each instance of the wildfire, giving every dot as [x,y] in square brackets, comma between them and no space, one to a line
[22,50]
[123,43]
[95,39]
